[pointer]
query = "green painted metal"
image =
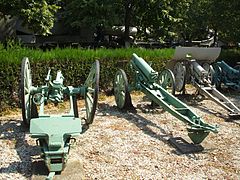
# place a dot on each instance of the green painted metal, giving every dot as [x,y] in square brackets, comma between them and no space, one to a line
[91,93]
[202,76]
[195,63]
[28,107]
[223,73]
[54,132]
[147,81]
[147,73]
[122,96]
[167,80]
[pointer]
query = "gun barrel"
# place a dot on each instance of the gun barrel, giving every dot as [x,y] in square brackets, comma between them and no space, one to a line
[145,69]
[198,68]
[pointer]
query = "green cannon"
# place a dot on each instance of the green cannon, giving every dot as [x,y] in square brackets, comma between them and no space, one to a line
[54,132]
[155,86]
[227,75]
[193,65]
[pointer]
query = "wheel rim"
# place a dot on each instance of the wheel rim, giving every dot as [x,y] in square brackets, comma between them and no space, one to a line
[121,93]
[91,97]
[167,81]
[25,85]
[179,72]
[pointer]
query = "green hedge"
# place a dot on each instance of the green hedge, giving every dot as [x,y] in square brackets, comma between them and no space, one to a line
[74,63]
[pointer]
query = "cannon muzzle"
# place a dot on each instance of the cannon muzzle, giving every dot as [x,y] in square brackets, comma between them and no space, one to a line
[145,70]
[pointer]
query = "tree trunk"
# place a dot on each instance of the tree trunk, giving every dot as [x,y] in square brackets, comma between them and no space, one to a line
[127,20]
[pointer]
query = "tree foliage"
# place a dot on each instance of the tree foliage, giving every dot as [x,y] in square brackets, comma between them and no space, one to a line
[38,15]
[187,19]
[199,16]
[192,22]
[224,17]
[79,13]
[154,15]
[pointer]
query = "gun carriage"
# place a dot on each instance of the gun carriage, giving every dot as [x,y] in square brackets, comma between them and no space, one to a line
[155,86]
[55,133]
[191,65]
[227,75]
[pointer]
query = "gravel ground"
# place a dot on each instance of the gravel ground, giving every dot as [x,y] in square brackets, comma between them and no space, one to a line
[133,145]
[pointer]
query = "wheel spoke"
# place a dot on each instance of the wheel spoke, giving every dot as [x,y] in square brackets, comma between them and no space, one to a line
[167,80]
[91,97]
[25,86]
[91,90]
[122,96]
[179,73]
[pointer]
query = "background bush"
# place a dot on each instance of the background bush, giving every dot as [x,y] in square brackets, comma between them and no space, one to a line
[231,56]
[75,65]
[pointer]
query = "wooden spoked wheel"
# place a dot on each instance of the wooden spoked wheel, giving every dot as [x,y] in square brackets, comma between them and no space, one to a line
[167,80]
[179,72]
[217,76]
[29,109]
[92,90]
[121,93]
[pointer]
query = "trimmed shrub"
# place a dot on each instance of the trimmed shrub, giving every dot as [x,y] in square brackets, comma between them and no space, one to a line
[74,63]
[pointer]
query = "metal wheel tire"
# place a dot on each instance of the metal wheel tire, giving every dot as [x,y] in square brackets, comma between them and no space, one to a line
[121,93]
[179,72]
[92,89]
[29,109]
[167,80]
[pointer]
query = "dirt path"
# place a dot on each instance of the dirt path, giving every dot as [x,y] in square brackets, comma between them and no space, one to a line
[132,145]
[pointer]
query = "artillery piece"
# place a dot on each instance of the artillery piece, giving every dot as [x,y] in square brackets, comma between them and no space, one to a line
[154,85]
[223,73]
[55,133]
[192,65]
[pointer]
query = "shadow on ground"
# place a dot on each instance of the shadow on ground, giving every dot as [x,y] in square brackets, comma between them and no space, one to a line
[14,133]
[196,101]
[145,124]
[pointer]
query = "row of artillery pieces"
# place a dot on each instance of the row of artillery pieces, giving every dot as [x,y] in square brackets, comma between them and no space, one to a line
[55,133]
